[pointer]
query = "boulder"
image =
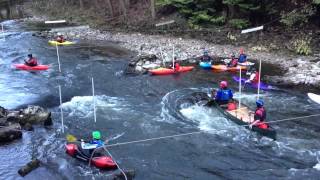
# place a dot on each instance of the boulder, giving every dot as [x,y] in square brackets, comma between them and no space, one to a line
[10,133]
[31,115]
[3,112]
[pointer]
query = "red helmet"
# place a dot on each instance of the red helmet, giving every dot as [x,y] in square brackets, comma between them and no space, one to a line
[223,84]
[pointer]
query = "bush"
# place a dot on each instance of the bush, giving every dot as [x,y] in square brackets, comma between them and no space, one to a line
[220,20]
[239,23]
[297,18]
[302,46]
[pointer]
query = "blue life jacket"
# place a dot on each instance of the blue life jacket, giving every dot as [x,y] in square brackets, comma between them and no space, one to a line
[98,142]
[224,95]
[242,58]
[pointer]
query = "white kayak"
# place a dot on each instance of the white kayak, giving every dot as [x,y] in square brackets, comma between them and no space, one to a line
[314,97]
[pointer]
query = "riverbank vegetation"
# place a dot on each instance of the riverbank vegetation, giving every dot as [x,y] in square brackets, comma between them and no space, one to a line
[290,24]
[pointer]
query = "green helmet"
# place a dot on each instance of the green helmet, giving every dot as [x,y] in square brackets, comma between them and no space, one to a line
[96,135]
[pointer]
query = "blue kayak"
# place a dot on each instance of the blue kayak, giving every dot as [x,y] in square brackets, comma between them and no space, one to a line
[263,86]
[205,65]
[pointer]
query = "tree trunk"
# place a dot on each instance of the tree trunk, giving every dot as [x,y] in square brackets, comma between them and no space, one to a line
[123,7]
[231,11]
[81,4]
[153,10]
[110,7]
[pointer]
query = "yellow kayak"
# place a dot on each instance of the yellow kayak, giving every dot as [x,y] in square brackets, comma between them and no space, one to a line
[60,44]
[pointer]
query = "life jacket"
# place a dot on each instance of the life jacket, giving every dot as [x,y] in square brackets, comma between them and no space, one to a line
[233,62]
[242,58]
[224,95]
[60,39]
[32,62]
[98,142]
[256,78]
[176,66]
[206,58]
[260,114]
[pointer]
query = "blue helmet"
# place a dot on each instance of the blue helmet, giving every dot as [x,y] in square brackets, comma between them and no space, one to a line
[259,103]
[205,52]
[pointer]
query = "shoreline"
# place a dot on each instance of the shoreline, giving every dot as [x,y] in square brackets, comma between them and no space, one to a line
[298,70]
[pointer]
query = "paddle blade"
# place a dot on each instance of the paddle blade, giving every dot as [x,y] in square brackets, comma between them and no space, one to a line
[71,138]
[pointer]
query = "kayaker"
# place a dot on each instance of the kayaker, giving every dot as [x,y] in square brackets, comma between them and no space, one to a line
[31,61]
[242,56]
[94,142]
[60,38]
[233,62]
[259,115]
[254,77]
[224,94]
[206,57]
[96,139]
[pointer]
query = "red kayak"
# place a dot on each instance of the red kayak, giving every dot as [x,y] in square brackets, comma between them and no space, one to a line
[167,71]
[98,160]
[31,68]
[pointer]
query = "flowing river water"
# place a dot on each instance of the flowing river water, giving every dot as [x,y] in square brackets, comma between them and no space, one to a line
[139,107]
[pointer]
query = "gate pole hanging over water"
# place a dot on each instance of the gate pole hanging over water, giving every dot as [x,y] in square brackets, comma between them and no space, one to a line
[259,80]
[173,56]
[61,112]
[58,57]
[240,88]
[163,64]
[94,102]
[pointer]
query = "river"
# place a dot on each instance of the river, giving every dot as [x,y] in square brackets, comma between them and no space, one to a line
[139,107]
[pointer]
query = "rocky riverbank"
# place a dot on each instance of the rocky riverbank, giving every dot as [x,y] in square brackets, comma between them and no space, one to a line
[296,69]
[12,123]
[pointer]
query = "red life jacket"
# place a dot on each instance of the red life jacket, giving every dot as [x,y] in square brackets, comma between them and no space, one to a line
[260,114]
[176,66]
[256,78]
[32,62]
[234,62]
[60,39]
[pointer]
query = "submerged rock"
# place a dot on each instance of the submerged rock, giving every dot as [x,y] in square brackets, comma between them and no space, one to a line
[32,165]
[129,173]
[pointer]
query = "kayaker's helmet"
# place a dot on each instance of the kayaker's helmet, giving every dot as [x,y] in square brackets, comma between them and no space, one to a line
[59,34]
[259,103]
[241,51]
[96,135]
[223,84]
[232,55]
[205,52]
[30,55]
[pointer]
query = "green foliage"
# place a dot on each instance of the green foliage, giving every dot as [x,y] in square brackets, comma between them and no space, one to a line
[316,2]
[220,20]
[302,46]
[239,23]
[297,18]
